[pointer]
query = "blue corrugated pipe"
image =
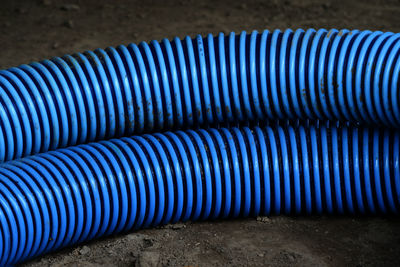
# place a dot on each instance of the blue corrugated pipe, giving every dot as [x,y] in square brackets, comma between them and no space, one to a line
[71,195]
[79,193]
[338,75]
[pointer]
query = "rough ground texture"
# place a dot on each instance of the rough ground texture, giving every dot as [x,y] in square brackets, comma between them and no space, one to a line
[275,241]
[33,30]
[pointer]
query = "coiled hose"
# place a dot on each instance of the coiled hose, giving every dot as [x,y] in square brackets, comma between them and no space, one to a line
[337,75]
[70,195]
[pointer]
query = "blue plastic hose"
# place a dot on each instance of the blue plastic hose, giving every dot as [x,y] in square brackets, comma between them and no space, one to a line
[179,84]
[71,195]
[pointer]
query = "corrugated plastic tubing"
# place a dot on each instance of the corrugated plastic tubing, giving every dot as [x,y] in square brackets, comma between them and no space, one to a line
[74,194]
[179,84]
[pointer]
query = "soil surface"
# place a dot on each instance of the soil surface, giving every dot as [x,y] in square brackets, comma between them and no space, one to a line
[32,30]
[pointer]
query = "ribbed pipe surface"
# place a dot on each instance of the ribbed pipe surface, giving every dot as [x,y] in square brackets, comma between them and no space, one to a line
[64,197]
[338,75]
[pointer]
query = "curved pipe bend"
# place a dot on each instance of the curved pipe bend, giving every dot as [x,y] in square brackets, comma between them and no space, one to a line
[179,84]
[75,194]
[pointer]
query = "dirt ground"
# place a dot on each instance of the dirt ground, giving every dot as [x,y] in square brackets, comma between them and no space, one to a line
[33,30]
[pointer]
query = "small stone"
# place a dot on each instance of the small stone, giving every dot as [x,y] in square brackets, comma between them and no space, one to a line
[55,45]
[70,7]
[260,254]
[137,237]
[176,226]
[147,242]
[69,24]
[84,250]
[263,219]
[292,257]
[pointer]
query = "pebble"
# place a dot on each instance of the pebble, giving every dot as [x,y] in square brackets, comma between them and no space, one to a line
[69,24]
[175,226]
[263,219]
[84,250]
[136,237]
[55,45]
